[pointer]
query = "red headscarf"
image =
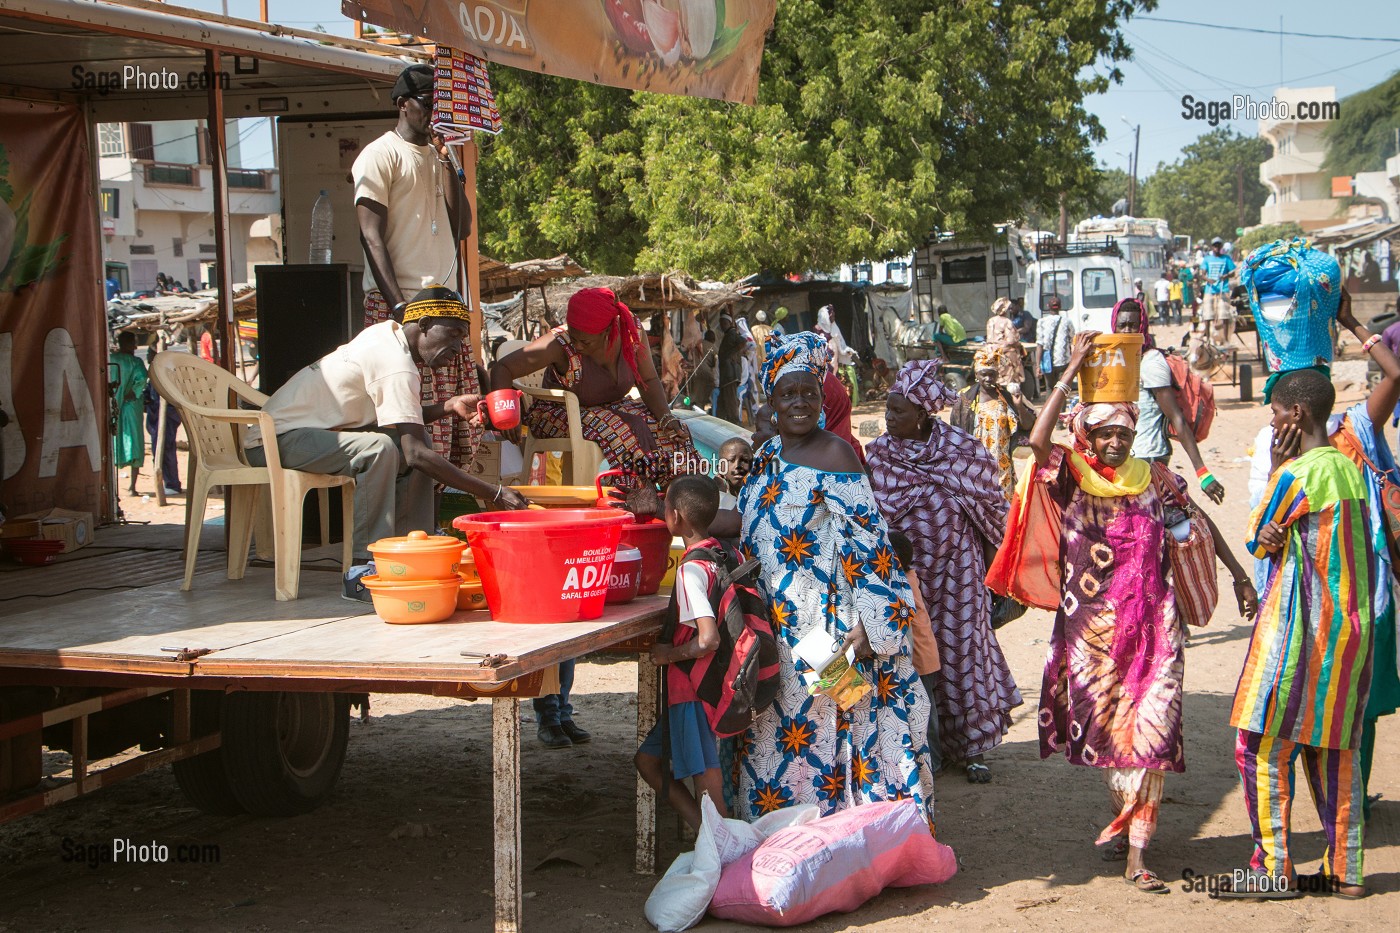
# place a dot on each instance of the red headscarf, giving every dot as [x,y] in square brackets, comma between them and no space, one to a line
[595,310]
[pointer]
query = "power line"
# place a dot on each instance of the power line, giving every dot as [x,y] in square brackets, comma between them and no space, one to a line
[1268,32]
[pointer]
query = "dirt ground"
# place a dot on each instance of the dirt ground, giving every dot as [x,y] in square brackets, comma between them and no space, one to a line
[405,842]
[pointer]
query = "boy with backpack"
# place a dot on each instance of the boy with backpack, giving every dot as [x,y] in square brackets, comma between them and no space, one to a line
[691,504]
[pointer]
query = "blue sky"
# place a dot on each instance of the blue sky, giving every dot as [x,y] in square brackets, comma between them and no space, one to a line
[1170,60]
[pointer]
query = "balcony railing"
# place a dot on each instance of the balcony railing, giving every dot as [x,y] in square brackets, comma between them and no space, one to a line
[171,173]
[250,179]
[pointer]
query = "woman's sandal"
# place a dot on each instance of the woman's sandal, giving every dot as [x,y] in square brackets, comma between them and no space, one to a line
[978,773]
[1116,851]
[1322,883]
[1147,882]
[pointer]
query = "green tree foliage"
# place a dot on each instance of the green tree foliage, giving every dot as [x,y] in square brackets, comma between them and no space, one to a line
[1199,194]
[1253,239]
[554,181]
[1363,135]
[877,121]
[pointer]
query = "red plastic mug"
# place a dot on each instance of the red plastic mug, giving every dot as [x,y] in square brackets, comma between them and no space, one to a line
[501,409]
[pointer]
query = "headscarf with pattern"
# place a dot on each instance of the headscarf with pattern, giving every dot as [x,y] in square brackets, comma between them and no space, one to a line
[436,301]
[803,352]
[988,357]
[920,383]
[1085,418]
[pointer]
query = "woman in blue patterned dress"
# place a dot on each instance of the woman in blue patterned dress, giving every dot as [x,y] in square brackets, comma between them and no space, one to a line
[809,516]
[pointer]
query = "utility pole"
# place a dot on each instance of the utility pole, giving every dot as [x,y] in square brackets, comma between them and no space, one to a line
[1133,169]
[1064,220]
[1239,195]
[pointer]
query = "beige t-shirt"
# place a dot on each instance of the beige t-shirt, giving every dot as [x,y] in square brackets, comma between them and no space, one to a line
[372,380]
[411,182]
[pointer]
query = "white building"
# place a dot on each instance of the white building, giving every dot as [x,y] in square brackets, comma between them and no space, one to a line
[157,203]
[1299,192]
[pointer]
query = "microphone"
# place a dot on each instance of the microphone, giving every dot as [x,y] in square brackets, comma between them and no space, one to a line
[456,164]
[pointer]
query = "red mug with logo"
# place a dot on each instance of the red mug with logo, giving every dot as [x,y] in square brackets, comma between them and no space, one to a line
[501,409]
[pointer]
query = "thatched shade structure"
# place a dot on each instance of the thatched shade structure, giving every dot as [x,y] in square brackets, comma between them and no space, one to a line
[500,280]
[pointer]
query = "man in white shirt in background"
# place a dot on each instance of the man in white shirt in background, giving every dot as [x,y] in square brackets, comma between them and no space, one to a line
[358,412]
[1162,296]
[413,214]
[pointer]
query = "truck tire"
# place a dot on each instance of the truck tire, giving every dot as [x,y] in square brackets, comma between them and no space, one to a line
[283,751]
[202,778]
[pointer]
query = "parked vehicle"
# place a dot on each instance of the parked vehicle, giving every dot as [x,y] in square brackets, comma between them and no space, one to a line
[1089,276]
[1146,242]
[967,277]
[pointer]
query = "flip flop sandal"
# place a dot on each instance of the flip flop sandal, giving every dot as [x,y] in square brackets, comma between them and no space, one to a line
[978,774]
[1116,851]
[1147,882]
[1321,883]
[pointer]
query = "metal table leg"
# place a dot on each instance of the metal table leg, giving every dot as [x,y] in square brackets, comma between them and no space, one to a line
[648,684]
[505,780]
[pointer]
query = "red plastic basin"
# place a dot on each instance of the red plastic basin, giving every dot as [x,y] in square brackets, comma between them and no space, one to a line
[653,539]
[544,566]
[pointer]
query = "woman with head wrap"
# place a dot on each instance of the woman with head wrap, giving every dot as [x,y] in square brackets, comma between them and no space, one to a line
[808,514]
[992,414]
[599,356]
[748,379]
[1002,333]
[1157,405]
[941,487]
[1111,694]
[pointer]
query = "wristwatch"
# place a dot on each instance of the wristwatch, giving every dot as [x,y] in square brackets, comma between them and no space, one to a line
[398,309]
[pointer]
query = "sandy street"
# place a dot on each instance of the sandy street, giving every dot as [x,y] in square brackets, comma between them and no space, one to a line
[405,841]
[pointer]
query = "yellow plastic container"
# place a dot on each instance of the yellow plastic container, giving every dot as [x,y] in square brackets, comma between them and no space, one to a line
[1111,373]
[672,562]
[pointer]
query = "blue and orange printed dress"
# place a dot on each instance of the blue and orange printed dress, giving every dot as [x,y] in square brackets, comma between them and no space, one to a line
[827,561]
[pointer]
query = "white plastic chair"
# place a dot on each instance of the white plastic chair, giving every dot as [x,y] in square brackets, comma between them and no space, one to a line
[201,391]
[585,457]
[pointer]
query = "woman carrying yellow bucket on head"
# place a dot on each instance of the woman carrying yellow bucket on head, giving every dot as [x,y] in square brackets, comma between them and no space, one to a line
[1156,401]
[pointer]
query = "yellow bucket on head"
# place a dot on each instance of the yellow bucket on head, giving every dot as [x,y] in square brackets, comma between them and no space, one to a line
[1111,373]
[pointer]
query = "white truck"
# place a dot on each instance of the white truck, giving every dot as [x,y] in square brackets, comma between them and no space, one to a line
[1089,276]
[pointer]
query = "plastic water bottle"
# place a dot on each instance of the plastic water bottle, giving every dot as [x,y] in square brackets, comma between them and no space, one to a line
[322,227]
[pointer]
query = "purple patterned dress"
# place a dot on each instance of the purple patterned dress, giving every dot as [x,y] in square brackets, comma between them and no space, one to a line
[945,496]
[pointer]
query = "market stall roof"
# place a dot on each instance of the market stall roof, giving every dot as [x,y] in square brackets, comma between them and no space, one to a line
[149,314]
[271,70]
[654,291]
[499,280]
[1356,233]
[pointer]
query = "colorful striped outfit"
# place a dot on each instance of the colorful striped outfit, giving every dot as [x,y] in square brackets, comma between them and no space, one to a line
[1308,670]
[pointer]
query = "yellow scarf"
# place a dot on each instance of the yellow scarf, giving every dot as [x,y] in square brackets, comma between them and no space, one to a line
[1130,479]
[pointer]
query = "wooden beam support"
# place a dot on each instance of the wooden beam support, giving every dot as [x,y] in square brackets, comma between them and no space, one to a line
[505,779]
[648,689]
[218,170]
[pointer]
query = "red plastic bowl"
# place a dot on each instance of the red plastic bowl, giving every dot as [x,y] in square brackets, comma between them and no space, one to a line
[544,566]
[36,552]
[653,539]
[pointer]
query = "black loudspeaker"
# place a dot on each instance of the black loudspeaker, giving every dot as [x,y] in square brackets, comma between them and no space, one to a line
[305,312]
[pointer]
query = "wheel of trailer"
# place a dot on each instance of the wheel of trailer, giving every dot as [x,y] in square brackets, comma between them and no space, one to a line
[283,751]
[203,778]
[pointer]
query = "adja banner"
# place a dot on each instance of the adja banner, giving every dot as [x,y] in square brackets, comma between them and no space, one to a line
[697,48]
[53,337]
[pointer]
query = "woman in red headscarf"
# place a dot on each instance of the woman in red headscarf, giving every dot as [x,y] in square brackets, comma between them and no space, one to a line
[599,356]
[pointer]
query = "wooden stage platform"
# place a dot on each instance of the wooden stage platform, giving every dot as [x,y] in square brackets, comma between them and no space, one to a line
[231,635]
